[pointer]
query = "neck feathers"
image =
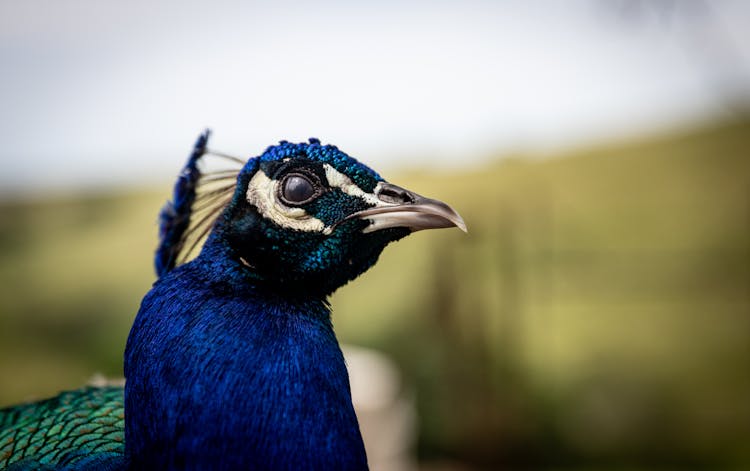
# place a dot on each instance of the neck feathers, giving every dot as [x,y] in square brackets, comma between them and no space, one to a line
[222,378]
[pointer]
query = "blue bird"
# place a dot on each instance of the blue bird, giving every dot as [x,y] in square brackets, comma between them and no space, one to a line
[232,361]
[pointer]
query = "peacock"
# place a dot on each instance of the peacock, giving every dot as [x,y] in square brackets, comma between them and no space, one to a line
[232,361]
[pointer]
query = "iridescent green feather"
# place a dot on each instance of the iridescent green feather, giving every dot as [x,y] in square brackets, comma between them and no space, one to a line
[65,431]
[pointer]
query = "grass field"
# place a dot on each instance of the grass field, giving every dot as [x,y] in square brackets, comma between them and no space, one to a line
[597,313]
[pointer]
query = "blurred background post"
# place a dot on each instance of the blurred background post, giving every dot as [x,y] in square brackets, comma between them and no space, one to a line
[596,316]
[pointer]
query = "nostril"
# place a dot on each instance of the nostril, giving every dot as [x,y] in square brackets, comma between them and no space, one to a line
[395,194]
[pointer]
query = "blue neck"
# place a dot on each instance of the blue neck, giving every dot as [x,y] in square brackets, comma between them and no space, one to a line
[223,376]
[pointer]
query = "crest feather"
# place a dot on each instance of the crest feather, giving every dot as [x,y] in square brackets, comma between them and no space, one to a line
[197,200]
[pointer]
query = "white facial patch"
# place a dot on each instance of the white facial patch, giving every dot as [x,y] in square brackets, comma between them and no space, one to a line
[338,180]
[262,193]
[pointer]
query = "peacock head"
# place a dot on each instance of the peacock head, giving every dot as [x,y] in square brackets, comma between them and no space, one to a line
[308,217]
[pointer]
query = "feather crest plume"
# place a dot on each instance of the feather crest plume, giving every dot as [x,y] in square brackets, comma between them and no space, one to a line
[197,200]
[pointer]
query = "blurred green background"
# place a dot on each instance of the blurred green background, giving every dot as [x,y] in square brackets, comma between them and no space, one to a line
[597,314]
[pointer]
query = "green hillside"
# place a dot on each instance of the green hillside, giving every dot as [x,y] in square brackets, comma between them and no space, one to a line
[597,313]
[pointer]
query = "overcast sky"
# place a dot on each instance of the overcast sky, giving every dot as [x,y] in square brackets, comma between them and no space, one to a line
[100,92]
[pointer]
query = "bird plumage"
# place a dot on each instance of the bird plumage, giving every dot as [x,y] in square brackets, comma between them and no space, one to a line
[232,361]
[74,430]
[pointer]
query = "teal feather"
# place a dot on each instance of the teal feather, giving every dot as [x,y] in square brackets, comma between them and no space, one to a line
[41,435]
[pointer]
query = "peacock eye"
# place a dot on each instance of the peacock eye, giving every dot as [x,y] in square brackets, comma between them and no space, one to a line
[297,189]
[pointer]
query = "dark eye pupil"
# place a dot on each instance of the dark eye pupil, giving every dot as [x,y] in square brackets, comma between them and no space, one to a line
[297,189]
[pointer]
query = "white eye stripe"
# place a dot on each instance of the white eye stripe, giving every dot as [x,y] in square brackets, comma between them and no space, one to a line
[262,193]
[338,180]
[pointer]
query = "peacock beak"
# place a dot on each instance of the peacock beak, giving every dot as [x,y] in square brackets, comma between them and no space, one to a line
[399,207]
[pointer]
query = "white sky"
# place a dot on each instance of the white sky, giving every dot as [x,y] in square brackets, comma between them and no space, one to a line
[100,92]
